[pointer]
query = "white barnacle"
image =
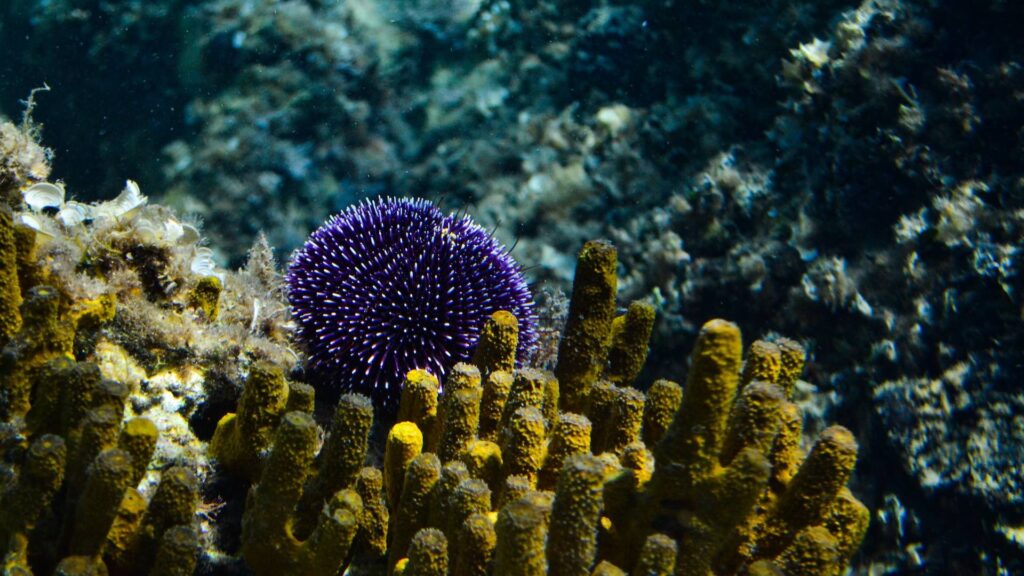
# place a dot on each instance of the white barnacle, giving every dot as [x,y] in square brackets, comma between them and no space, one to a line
[202,262]
[74,213]
[146,232]
[255,315]
[43,195]
[190,235]
[129,200]
[173,231]
[36,223]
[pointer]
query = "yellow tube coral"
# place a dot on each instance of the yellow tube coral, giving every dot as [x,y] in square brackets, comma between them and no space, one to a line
[269,545]
[483,460]
[631,335]
[176,556]
[340,458]
[24,501]
[372,540]
[138,438]
[627,419]
[428,554]
[404,443]
[763,362]
[44,336]
[497,387]
[10,287]
[418,404]
[461,420]
[695,436]
[240,438]
[452,475]
[528,390]
[657,557]
[522,445]
[474,547]
[101,497]
[572,536]
[793,357]
[471,496]
[583,350]
[414,505]
[520,530]
[662,402]
[499,339]
[571,436]
[754,420]
[812,492]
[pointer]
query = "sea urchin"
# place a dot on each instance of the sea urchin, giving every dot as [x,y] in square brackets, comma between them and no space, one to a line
[390,285]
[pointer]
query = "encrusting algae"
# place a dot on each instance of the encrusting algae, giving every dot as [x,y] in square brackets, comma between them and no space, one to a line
[497,470]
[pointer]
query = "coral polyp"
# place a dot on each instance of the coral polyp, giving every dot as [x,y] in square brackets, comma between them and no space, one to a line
[391,285]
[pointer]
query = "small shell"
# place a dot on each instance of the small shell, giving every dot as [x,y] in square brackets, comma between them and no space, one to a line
[74,213]
[255,315]
[203,264]
[190,235]
[43,195]
[126,202]
[180,233]
[173,230]
[131,197]
[36,223]
[146,232]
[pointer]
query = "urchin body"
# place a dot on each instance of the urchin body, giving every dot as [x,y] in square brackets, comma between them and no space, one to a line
[391,285]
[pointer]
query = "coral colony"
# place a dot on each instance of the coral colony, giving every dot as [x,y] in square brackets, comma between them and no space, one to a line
[847,172]
[517,471]
[392,285]
[120,340]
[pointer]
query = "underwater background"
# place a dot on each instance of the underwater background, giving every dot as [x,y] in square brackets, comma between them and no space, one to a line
[846,174]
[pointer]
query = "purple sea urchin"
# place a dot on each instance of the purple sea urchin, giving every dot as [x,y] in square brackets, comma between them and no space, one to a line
[390,285]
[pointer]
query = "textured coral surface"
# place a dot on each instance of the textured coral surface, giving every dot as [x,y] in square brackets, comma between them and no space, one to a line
[121,343]
[847,171]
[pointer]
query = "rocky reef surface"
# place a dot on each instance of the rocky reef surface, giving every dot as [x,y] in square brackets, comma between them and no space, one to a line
[155,419]
[848,172]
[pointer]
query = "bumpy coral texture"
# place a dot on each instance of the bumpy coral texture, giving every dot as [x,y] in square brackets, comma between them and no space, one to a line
[491,470]
[723,487]
[80,474]
[115,333]
[393,285]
